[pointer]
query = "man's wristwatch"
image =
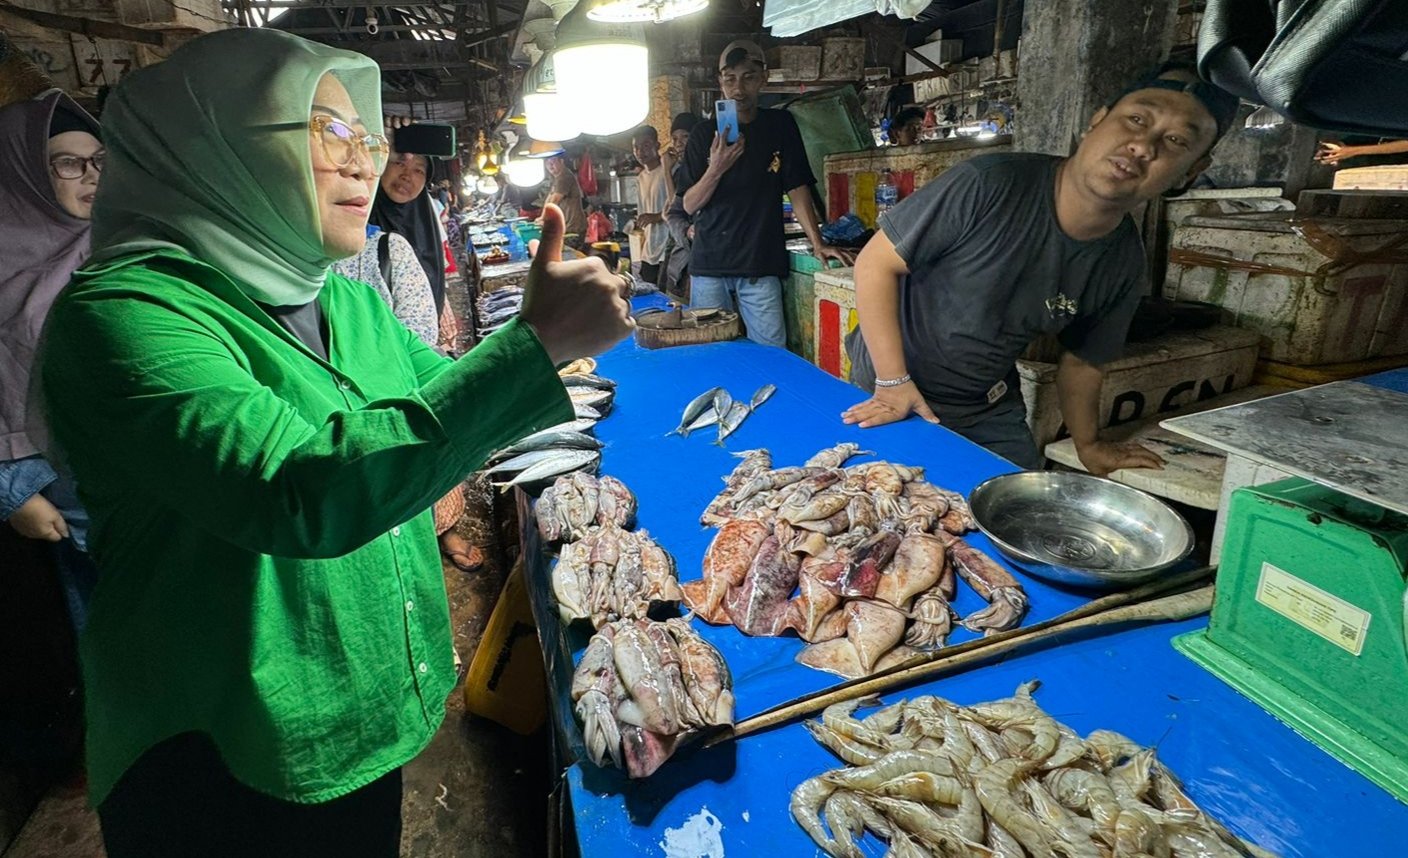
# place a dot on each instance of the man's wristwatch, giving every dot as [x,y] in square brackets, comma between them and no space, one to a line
[892,382]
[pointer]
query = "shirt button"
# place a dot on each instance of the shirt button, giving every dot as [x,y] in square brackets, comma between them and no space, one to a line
[396,531]
[410,606]
[422,667]
[345,384]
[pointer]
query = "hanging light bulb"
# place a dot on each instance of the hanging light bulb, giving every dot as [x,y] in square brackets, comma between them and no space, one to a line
[523,171]
[547,119]
[487,185]
[618,11]
[589,52]
[484,156]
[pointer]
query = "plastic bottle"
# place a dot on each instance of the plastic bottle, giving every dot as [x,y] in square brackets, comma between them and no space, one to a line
[886,194]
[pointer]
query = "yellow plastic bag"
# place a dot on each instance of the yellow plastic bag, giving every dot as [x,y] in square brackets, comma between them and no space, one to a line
[505,682]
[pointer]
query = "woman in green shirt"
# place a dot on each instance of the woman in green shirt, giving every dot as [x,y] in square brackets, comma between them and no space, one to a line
[259,442]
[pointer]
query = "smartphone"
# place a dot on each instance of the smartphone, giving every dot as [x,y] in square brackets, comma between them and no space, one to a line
[726,115]
[426,138]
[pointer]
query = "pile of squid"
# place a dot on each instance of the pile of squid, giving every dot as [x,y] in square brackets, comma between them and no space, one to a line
[861,561]
[604,571]
[642,685]
[997,780]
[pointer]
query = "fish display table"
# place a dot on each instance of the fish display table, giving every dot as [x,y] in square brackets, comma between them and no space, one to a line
[1239,764]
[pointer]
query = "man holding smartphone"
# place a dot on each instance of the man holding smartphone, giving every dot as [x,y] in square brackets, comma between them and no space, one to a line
[734,193]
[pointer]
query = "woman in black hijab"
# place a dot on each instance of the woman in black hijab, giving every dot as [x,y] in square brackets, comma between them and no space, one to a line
[403,206]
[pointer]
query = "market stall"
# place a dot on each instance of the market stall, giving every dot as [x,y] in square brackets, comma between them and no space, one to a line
[1238,763]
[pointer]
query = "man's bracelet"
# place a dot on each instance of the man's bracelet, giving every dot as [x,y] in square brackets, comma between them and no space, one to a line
[892,382]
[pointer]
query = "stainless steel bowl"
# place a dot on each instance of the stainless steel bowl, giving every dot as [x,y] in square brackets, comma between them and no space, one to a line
[1075,528]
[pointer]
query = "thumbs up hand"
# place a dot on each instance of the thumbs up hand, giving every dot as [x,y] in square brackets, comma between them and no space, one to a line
[575,307]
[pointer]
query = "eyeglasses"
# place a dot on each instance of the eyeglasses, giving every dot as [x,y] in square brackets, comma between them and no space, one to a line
[341,144]
[75,167]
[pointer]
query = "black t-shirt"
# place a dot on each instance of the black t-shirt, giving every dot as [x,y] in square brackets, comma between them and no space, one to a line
[991,270]
[739,233]
[304,321]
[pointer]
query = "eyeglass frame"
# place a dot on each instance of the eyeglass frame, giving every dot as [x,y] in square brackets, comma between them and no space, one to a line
[319,122]
[94,160]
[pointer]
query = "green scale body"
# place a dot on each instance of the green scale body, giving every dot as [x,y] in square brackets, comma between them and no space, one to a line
[1309,621]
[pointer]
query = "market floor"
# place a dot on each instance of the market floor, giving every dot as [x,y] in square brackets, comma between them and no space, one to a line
[478,790]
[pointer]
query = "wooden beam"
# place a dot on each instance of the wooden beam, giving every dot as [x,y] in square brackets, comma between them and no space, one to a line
[85,26]
[923,59]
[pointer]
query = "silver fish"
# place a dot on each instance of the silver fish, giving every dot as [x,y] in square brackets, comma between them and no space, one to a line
[585,412]
[521,462]
[763,395]
[586,379]
[693,410]
[703,421]
[722,403]
[735,417]
[548,439]
[592,397]
[559,462]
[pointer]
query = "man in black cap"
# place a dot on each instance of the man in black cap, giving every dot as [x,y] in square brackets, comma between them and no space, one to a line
[734,194]
[966,272]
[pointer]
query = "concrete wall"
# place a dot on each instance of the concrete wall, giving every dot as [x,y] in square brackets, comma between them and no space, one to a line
[1076,55]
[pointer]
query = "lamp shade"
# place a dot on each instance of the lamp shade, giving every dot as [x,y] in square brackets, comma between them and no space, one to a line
[547,119]
[602,73]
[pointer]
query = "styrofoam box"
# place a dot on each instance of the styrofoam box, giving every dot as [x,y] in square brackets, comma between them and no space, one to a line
[1338,314]
[940,52]
[1154,377]
[842,58]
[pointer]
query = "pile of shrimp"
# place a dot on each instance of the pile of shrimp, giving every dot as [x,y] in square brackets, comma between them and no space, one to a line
[997,780]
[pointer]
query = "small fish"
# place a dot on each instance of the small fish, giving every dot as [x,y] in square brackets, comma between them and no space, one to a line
[723,401]
[587,380]
[703,421]
[763,395]
[735,417]
[521,462]
[591,397]
[585,412]
[548,439]
[560,462]
[693,410]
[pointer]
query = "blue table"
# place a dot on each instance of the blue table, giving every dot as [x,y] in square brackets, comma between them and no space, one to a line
[1136,684]
[1394,379]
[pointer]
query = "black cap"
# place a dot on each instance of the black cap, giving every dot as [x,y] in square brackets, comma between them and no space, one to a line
[684,122]
[1183,77]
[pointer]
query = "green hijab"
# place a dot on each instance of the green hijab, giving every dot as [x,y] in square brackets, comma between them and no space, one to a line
[208,155]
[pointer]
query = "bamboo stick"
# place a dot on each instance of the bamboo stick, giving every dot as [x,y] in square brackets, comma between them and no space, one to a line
[1180,606]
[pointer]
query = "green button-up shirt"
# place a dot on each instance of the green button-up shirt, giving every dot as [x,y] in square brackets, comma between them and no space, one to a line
[269,573]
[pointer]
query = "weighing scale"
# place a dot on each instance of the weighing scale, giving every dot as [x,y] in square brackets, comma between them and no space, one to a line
[1311,614]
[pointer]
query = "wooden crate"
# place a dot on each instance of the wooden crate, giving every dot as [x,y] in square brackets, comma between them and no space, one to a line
[799,305]
[851,176]
[1393,177]
[835,316]
[1154,377]
[1290,279]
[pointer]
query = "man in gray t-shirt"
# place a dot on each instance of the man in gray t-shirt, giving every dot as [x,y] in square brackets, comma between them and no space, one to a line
[1001,249]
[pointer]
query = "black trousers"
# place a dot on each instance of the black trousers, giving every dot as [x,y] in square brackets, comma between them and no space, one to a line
[179,801]
[650,273]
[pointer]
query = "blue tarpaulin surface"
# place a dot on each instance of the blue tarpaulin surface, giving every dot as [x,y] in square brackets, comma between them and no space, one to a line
[1257,775]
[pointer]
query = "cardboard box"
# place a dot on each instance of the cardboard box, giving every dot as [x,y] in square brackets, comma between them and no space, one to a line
[939,53]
